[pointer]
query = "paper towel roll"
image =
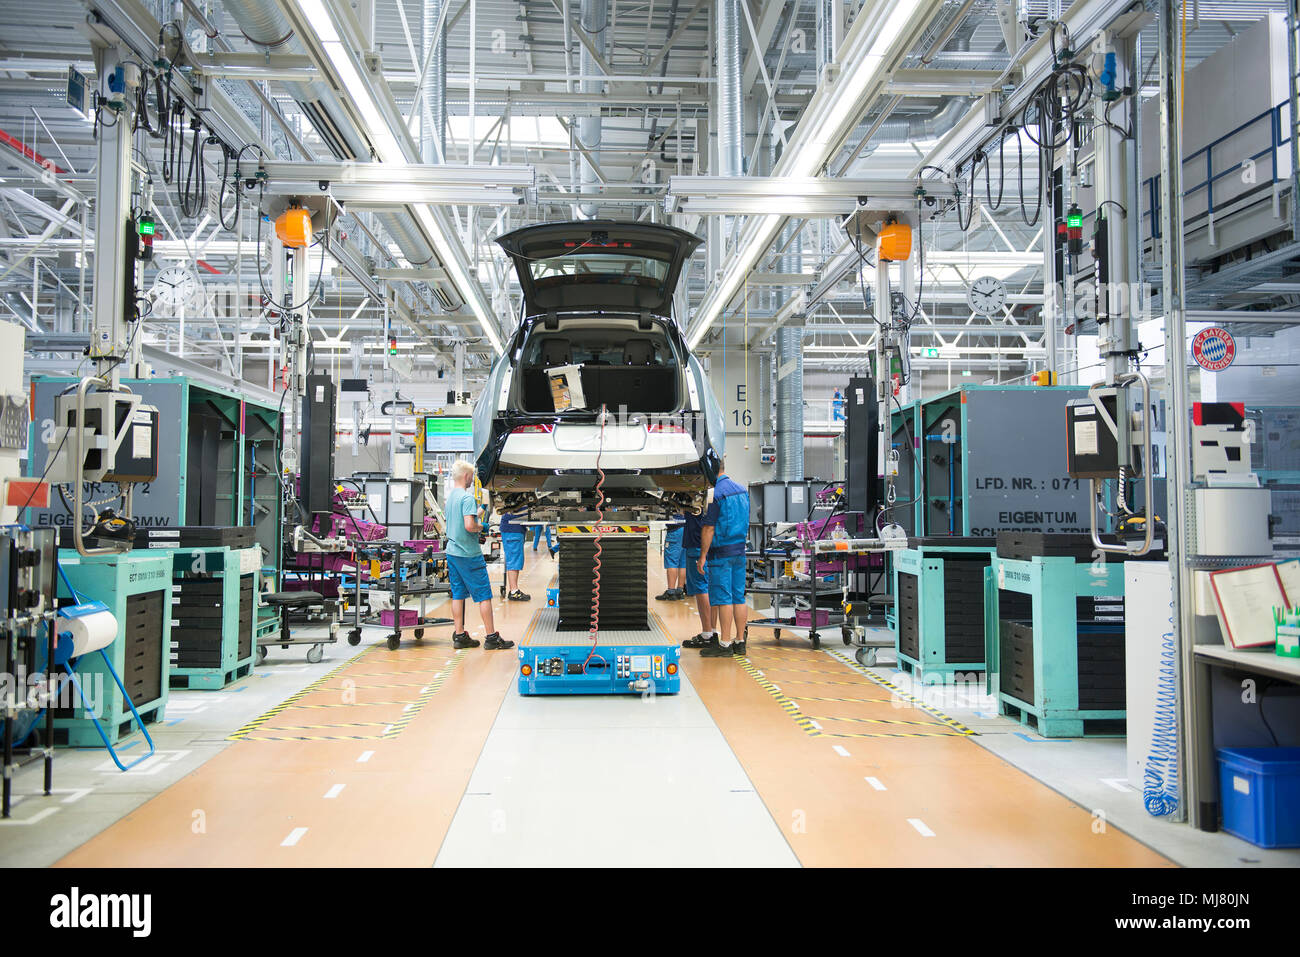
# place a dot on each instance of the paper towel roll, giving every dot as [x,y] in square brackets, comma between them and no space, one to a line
[89,632]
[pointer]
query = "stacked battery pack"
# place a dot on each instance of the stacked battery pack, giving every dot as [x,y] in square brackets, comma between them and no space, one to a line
[623,595]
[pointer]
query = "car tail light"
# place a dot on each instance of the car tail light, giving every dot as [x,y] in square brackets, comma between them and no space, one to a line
[662,427]
[531,429]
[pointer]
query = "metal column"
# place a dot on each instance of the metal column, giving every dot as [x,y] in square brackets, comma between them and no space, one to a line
[1196,781]
[109,335]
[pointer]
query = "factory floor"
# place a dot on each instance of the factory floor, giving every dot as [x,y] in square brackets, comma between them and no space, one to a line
[428,756]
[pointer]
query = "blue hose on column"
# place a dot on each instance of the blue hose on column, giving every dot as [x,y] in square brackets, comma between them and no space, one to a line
[1160,780]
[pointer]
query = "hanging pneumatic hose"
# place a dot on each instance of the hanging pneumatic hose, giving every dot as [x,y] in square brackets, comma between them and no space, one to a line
[1160,777]
[600,521]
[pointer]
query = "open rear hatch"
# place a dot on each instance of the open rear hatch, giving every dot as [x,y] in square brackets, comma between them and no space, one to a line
[598,266]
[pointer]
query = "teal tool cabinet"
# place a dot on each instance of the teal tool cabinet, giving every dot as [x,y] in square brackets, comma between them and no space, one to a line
[939,594]
[1056,660]
[136,587]
[214,611]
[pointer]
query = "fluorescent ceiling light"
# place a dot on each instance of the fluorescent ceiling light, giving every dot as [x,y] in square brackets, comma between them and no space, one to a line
[459,277]
[819,130]
[319,18]
[381,138]
[387,149]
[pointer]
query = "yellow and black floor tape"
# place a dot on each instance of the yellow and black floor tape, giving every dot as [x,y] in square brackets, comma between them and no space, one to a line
[267,716]
[896,734]
[430,690]
[893,688]
[392,729]
[920,724]
[807,697]
[788,706]
[315,737]
[950,727]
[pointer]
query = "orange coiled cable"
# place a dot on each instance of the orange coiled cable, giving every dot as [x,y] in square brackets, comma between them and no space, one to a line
[595,581]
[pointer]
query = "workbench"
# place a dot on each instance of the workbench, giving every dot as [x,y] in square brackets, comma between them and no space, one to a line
[1207,657]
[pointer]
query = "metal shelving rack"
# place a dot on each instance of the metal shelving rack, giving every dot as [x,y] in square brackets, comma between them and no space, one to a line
[1198,768]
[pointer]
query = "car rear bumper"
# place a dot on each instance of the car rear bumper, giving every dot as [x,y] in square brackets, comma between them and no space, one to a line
[541,451]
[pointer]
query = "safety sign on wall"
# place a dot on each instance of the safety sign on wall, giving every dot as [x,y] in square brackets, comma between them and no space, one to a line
[1214,349]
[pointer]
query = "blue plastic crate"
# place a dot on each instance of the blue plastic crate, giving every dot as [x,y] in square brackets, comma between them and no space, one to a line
[1259,789]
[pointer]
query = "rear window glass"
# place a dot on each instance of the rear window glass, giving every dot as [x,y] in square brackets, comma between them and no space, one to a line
[599,266]
[613,348]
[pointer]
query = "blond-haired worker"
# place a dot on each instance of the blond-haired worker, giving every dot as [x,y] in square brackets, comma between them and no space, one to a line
[466,568]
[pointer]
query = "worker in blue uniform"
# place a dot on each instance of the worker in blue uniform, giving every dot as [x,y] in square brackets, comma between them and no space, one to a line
[537,537]
[722,551]
[697,582]
[512,546]
[674,561]
[466,568]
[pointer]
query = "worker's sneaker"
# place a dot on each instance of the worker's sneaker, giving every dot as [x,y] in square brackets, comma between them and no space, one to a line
[669,594]
[517,595]
[463,640]
[738,648]
[716,649]
[700,640]
[494,642]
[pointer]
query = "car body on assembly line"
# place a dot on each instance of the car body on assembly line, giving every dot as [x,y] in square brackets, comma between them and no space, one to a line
[598,379]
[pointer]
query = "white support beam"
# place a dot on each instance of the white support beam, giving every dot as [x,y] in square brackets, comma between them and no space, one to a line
[881,35]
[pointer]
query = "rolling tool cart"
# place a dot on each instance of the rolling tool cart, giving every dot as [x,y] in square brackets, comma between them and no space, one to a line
[419,586]
[795,607]
[856,613]
[287,602]
[798,602]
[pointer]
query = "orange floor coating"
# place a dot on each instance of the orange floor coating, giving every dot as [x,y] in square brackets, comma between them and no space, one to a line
[395,808]
[982,811]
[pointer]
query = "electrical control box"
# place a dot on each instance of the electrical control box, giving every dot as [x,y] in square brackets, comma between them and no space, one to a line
[1091,443]
[318,444]
[119,439]
[1091,447]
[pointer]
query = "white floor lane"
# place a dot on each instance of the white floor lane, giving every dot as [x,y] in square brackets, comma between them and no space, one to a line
[610,780]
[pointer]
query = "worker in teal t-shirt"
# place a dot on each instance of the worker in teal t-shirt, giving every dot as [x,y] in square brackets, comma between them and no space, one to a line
[466,568]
